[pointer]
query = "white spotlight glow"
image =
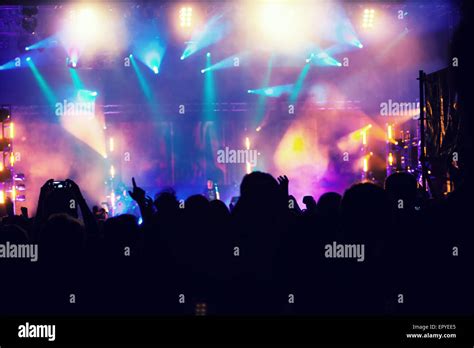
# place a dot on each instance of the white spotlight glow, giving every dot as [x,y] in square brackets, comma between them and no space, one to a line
[185,16]
[283,25]
[91,28]
[368,18]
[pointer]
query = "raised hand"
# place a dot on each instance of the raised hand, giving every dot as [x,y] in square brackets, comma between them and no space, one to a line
[284,183]
[138,194]
[89,220]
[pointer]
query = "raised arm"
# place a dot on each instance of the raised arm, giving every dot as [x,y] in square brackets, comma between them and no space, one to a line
[144,202]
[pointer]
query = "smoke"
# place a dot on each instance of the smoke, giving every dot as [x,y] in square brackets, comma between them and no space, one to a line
[46,151]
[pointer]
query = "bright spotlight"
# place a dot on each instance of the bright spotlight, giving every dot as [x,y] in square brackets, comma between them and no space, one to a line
[203,71]
[131,55]
[274,20]
[73,58]
[27,48]
[92,28]
[28,59]
[84,26]
[155,69]
[185,16]
[269,91]
[208,54]
[368,18]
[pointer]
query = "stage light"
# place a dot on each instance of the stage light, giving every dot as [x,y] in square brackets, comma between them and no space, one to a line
[111,145]
[12,64]
[28,59]
[12,159]
[209,90]
[131,55]
[12,132]
[274,17]
[112,172]
[248,168]
[208,54]
[247,143]
[21,198]
[368,18]
[203,71]
[51,41]
[365,165]
[86,96]
[390,158]
[73,58]
[185,16]
[364,133]
[389,132]
[150,52]
[141,79]
[258,129]
[112,199]
[2,197]
[19,177]
[300,81]
[76,80]
[273,91]
[272,21]
[92,28]
[85,24]
[323,59]
[210,33]
[43,84]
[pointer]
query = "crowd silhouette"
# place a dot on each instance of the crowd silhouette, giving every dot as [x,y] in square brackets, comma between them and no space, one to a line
[264,257]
